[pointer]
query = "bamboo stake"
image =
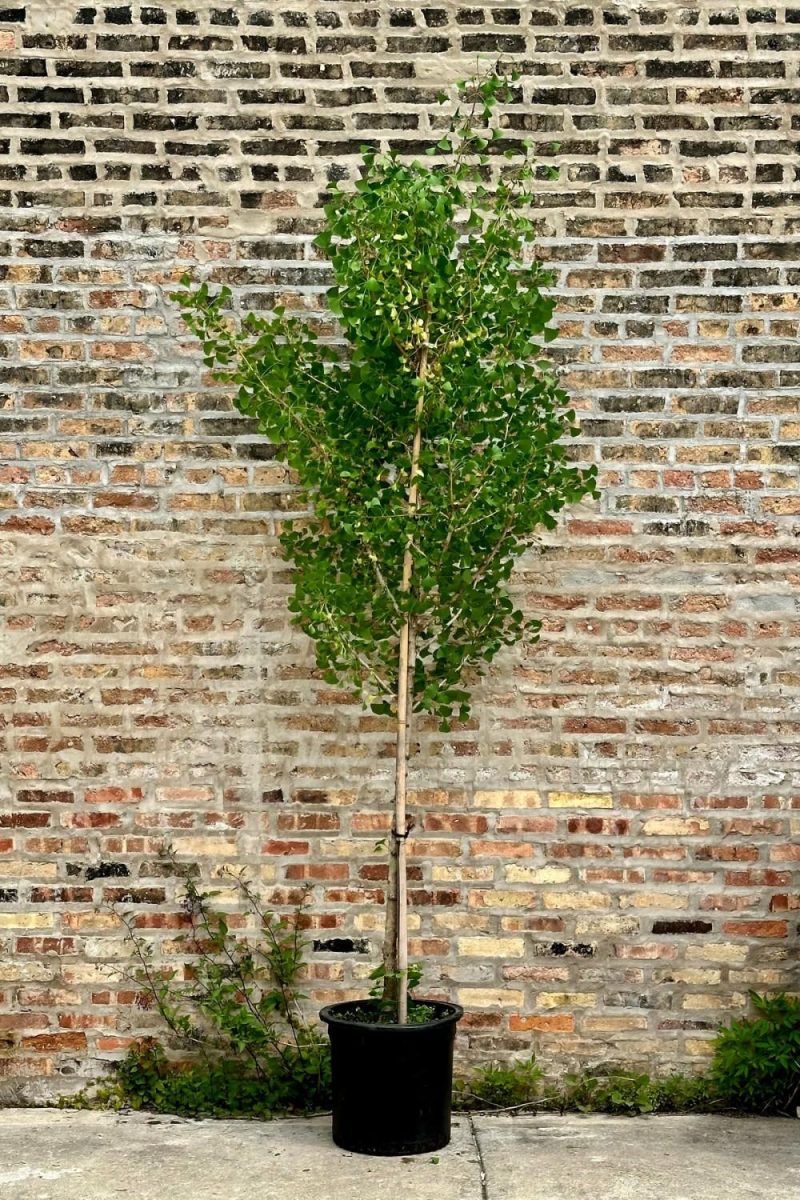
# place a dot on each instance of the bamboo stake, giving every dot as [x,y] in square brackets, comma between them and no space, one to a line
[405,671]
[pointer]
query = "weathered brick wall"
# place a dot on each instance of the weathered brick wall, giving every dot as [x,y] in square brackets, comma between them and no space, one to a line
[606,854]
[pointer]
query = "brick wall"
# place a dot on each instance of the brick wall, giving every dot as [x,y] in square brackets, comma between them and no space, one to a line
[606,855]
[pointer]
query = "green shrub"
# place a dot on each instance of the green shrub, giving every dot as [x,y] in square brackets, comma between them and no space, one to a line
[756,1063]
[496,1087]
[233,1015]
[297,1083]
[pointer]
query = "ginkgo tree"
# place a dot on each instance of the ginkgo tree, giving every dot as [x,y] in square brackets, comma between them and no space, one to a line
[430,445]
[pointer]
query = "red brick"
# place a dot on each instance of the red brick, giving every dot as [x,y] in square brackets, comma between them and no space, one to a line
[24,1020]
[113,795]
[275,846]
[454,823]
[603,528]
[557,1023]
[55,1041]
[320,872]
[502,850]
[756,929]
[593,725]
[20,524]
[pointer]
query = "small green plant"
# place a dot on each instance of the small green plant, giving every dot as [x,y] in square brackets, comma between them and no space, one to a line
[633,1094]
[520,1086]
[756,1063]
[378,977]
[236,1008]
[383,1010]
[685,1093]
[500,1087]
[625,1094]
[377,1010]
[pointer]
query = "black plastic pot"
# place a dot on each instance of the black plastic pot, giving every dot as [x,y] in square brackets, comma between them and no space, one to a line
[392,1084]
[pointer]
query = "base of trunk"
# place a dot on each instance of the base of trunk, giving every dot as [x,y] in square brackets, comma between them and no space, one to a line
[392,1084]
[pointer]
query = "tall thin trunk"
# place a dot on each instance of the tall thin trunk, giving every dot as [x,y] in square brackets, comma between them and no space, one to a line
[396,940]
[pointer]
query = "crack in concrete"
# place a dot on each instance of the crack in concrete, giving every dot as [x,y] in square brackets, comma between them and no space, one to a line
[481,1163]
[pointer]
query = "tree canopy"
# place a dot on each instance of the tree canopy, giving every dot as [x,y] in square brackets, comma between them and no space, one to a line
[438,427]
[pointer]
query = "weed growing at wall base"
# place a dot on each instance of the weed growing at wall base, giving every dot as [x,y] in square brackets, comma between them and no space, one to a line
[148,1080]
[236,1010]
[756,1068]
[520,1087]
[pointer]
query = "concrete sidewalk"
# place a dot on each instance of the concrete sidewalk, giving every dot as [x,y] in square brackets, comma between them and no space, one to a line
[52,1155]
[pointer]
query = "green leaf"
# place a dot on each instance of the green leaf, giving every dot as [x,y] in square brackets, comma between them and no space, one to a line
[407,278]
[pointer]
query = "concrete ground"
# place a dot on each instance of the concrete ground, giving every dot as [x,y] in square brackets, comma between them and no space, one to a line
[53,1155]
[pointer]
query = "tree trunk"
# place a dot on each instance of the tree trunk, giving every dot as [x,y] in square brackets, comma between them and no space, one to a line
[400,826]
[396,938]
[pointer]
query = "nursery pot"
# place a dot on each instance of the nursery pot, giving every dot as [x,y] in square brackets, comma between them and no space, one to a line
[392,1084]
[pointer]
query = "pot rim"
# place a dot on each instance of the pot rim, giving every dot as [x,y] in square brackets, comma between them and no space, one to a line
[331,1014]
